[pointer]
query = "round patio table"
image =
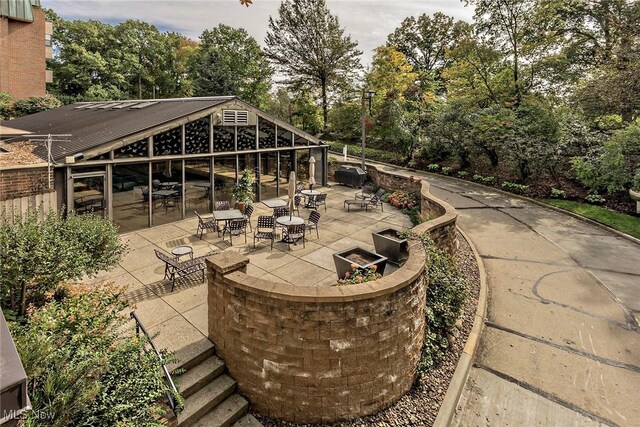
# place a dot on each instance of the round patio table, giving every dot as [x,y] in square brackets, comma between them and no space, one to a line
[287,221]
[311,192]
[181,251]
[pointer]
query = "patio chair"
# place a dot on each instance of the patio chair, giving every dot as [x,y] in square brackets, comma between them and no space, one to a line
[265,230]
[373,202]
[248,211]
[174,268]
[205,224]
[296,203]
[367,193]
[319,200]
[293,233]
[299,188]
[221,205]
[236,227]
[172,201]
[312,223]
[278,212]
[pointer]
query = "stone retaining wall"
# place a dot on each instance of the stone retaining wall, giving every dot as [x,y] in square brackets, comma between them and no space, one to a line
[312,354]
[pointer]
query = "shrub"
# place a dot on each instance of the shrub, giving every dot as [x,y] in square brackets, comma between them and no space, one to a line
[34,104]
[404,200]
[463,174]
[360,275]
[447,170]
[515,187]
[488,179]
[37,256]
[595,199]
[635,185]
[433,167]
[556,193]
[385,197]
[85,367]
[446,295]
[478,177]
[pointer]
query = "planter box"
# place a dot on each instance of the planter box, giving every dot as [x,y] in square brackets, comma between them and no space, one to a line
[362,257]
[389,245]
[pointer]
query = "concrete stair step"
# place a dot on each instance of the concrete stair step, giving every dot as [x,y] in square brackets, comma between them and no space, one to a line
[198,376]
[247,421]
[205,399]
[192,355]
[225,414]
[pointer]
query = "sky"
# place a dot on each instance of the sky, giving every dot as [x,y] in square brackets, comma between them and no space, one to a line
[368,21]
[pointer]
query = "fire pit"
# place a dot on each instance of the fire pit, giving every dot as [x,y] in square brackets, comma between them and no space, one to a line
[360,257]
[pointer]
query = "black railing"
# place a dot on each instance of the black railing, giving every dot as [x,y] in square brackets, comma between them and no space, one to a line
[173,391]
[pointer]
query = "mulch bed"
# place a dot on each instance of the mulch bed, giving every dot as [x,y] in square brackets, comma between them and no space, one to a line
[419,407]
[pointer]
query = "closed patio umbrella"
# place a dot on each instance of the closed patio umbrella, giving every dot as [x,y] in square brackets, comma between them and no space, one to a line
[292,191]
[312,172]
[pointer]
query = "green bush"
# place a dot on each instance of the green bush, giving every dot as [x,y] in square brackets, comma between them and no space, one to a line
[478,177]
[34,104]
[447,170]
[488,179]
[85,366]
[515,187]
[433,167]
[38,256]
[446,295]
[556,193]
[6,105]
[635,185]
[463,174]
[595,199]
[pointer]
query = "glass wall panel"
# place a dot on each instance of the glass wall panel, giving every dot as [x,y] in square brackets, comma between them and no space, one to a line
[249,161]
[266,133]
[166,191]
[223,138]
[224,169]
[136,149]
[197,136]
[284,137]
[246,137]
[130,196]
[167,143]
[197,186]
[286,166]
[300,141]
[302,165]
[268,175]
[89,194]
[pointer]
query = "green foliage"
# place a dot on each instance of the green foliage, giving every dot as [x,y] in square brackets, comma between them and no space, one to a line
[463,174]
[595,199]
[404,200]
[229,61]
[308,47]
[360,275]
[23,107]
[447,170]
[556,193]
[489,180]
[243,190]
[478,177]
[611,167]
[622,222]
[85,366]
[446,296]
[636,181]
[6,106]
[370,153]
[37,256]
[433,167]
[515,187]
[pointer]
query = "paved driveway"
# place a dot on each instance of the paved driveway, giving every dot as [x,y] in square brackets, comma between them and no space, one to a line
[561,344]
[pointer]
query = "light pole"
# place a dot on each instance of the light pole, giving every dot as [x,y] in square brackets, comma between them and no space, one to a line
[366,94]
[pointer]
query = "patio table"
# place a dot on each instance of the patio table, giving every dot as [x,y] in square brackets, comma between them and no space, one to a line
[286,221]
[274,203]
[207,188]
[228,215]
[182,250]
[311,192]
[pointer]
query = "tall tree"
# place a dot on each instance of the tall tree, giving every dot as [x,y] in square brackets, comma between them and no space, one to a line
[425,40]
[229,62]
[308,46]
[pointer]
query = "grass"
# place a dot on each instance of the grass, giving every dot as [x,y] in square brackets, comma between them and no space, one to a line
[622,222]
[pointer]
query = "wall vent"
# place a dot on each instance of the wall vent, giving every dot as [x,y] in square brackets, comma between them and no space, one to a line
[235,117]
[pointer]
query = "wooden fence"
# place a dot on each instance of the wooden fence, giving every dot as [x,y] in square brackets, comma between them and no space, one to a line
[42,203]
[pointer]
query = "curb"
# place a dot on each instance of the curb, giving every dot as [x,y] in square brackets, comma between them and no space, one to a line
[459,379]
[518,196]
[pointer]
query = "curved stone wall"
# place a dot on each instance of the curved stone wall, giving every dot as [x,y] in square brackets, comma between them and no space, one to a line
[312,354]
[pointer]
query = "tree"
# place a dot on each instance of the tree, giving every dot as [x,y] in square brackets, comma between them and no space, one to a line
[425,40]
[390,73]
[308,46]
[229,62]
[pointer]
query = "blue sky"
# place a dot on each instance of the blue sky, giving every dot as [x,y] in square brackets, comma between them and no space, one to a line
[368,21]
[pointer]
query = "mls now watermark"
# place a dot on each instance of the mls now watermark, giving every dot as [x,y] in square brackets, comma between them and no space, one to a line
[38,414]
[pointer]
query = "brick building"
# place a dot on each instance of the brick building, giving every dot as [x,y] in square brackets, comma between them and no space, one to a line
[25,45]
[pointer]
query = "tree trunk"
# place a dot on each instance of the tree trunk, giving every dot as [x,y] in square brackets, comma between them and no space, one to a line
[325,108]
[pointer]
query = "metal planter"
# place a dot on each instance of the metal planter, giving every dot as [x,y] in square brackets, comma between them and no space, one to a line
[388,244]
[343,263]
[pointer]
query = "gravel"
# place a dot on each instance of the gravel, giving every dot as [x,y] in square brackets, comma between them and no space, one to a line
[419,407]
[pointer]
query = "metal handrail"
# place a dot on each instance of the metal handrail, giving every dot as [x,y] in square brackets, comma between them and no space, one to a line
[167,375]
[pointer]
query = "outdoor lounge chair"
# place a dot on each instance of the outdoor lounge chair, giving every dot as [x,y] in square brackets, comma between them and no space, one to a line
[205,224]
[173,267]
[373,202]
[367,193]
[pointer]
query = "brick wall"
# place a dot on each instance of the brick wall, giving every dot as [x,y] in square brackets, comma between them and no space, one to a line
[22,56]
[15,183]
[317,354]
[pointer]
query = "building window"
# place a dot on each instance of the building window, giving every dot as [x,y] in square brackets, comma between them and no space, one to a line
[300,141]
[137,149]
[284,138]
[267,134]
[47,40]
[197,136]
[168,143]
[223,139]
[246,138]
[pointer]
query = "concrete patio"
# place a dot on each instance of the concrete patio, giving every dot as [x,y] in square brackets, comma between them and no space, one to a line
[178,319]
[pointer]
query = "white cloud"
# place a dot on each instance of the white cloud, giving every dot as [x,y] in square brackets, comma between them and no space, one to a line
[368,21]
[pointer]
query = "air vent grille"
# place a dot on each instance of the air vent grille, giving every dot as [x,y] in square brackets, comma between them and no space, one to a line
[235,117]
